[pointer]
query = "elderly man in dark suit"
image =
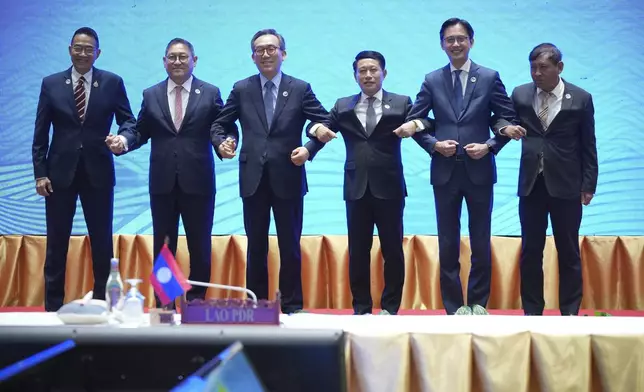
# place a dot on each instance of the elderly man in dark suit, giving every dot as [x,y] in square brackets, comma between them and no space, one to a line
[176,115]
[272,108]
[558,175]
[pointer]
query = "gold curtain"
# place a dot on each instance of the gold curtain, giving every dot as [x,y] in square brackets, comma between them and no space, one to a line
[613,270]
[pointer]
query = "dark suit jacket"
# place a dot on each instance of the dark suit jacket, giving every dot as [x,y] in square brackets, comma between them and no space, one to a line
[485,95]
[270,144]
[568,146]
[184,156]
[71,139]
[372,159]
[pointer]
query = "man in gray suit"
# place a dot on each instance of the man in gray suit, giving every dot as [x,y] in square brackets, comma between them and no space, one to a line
[463,96]
[558,175]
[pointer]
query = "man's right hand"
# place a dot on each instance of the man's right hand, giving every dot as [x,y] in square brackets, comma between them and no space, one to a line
[446,148]
[515,132]
[227,148]
[324,134]
[43,186]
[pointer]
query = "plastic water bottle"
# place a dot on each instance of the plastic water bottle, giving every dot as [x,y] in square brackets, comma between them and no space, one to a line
[114,286]
[132,312]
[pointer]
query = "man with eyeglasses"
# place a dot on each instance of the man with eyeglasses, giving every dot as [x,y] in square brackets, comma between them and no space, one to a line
[80,103]
[272,108]
[466,99]
[176,114]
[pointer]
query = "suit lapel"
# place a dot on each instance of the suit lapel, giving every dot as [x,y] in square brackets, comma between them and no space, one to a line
[258,99]
[354,117]
[283,95]
[386,108]
[533,118]
[193,100]
[566,103]
[470,86]
[69,93]
[94,95]
[162,97]
[449,88]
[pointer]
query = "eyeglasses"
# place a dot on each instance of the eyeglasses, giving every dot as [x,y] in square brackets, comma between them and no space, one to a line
[183,58]
[259,51]
[77,49]
[461,39]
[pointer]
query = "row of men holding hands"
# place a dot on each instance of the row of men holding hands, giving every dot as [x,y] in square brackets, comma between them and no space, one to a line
[183,116]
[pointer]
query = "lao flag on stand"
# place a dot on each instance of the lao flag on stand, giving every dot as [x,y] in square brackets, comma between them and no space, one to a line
[166,278]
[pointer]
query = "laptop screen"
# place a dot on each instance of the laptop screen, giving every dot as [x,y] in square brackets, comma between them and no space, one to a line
[230,371]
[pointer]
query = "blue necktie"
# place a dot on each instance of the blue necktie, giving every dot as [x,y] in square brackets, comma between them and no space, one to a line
[458,92]
[269,101]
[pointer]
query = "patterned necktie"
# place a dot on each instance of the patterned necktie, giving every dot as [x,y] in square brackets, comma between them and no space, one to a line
[79,97]
[543,113]
[178,107]
[458,91]
[371,116]
[269,102]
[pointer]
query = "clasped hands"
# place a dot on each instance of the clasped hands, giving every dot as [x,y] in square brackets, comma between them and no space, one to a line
[115,144]
[227,150]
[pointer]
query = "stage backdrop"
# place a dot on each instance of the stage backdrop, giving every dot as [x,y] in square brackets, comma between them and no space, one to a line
[599,41]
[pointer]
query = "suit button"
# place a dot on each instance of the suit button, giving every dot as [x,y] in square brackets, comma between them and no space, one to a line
[175,154]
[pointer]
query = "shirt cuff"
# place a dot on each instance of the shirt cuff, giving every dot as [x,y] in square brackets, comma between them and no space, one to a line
[314,129]
[124,140]
[419,125]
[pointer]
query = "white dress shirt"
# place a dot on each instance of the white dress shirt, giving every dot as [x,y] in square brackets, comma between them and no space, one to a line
[554,101]
[185,95]
[88,83]
[465,72]
[363,104]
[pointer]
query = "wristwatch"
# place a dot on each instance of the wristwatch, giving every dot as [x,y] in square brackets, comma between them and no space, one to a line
[489,147]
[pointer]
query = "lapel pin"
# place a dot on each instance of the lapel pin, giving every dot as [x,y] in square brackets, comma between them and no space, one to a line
[95,83]
[197,91]
[387,106]
[285,93]
[67,81]
[568,96]
[473,79]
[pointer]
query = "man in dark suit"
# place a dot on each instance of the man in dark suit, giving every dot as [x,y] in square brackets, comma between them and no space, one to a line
[81,104]
[558,175]
[374,183]
[272,108]
[463,96]
[176,115]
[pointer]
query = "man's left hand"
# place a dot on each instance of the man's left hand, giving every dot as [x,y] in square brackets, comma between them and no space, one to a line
[586,197]
[299,156]
[476,150]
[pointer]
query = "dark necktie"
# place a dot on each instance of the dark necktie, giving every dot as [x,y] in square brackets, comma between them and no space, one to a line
[79,97]
[458,92]
[371,116]
[269,101]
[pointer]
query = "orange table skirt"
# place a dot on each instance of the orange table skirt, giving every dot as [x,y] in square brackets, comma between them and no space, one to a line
[613,270]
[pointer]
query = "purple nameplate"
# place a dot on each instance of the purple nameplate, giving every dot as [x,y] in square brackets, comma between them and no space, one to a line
[230,311]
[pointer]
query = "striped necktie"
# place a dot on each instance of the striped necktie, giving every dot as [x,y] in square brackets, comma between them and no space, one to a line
[543,113]
[79,97]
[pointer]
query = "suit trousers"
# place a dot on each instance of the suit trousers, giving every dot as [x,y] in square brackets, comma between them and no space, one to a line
[565,215]
[449,201]
[387,215]
[197,213]
[288,224]
[60,208]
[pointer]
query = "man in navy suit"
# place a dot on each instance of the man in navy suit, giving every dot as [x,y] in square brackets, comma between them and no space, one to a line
[374,183]
[81,104]
[176,115]
[272,108]
[558,175]
[464,96]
